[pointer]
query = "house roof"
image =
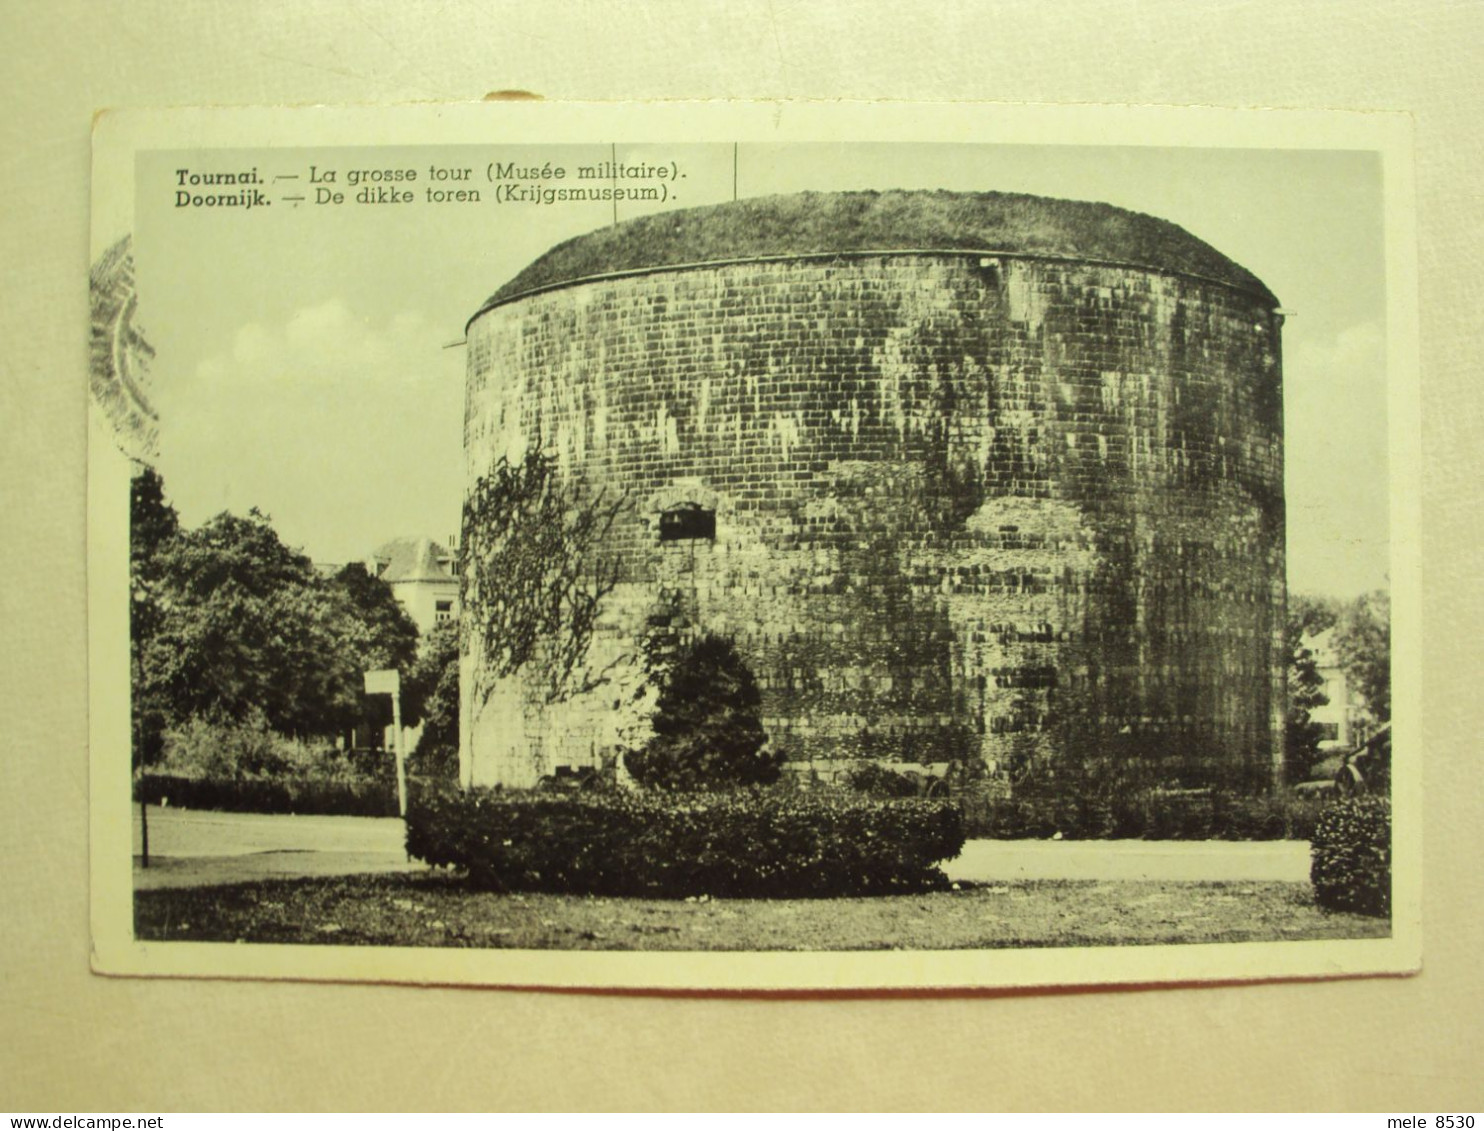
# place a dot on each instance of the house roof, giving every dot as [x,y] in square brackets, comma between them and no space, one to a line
[412,559]
[1322,646]
[809,223]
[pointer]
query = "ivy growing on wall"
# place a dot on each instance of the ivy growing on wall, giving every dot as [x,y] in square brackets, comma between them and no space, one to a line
[534,578]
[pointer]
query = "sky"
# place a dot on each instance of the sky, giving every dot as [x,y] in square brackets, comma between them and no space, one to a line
[308,359]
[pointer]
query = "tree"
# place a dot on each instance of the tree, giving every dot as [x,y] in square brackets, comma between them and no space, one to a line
[377,632]
[384,635]
[708,733]
[431,695]
[1363,642]
[1301,734]
[153,522]
[230,627]
[1308,616]
[246,623]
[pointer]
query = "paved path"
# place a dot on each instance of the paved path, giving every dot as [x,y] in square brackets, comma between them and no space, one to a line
[193,848]
[198,832]
[190,848]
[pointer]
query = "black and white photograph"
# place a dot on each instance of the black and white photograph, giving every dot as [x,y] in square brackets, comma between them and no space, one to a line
[716,547]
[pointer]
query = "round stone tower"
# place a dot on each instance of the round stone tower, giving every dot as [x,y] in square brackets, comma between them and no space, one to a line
[976,480]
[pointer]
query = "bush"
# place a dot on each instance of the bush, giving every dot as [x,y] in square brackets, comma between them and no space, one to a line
[1148,814]
[364,797]
[708,732]
[739,845]
[243,748]
[875,780]
[1351,868]
[1274,816]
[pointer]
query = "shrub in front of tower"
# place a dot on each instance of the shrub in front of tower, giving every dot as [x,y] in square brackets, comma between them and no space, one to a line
[743,844]
[876,780]
[708,731]
[1351,856]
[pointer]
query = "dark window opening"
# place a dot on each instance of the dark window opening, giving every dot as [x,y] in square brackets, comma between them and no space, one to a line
[687,521]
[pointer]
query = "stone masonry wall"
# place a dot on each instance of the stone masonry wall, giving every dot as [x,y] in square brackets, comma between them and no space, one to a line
[1021,510]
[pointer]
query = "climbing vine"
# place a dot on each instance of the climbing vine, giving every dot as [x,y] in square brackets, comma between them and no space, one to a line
[534,579]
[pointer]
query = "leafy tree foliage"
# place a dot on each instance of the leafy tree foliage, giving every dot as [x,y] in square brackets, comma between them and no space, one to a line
[383,634]
[1305,691]
[152,524]
[707,729]
[230,625]
[1363,641]
[378,632]
[431,694]
[152,520]
[247,624]
[1309,615]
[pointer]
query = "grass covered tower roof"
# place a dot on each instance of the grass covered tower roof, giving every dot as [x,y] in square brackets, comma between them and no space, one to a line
[815,223]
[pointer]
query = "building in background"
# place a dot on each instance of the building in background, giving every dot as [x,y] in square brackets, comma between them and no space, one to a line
[423,576]
[1345,721]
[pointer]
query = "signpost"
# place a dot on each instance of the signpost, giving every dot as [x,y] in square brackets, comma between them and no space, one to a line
[388,682]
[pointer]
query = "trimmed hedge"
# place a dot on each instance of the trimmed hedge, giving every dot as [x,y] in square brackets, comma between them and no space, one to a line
[738,845]
[1147,815]
[349,797]
[1351,853]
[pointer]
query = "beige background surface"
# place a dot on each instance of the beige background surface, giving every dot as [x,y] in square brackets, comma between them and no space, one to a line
[73,1041]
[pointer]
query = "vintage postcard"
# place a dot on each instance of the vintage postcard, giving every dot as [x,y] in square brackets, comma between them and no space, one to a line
[761,547]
